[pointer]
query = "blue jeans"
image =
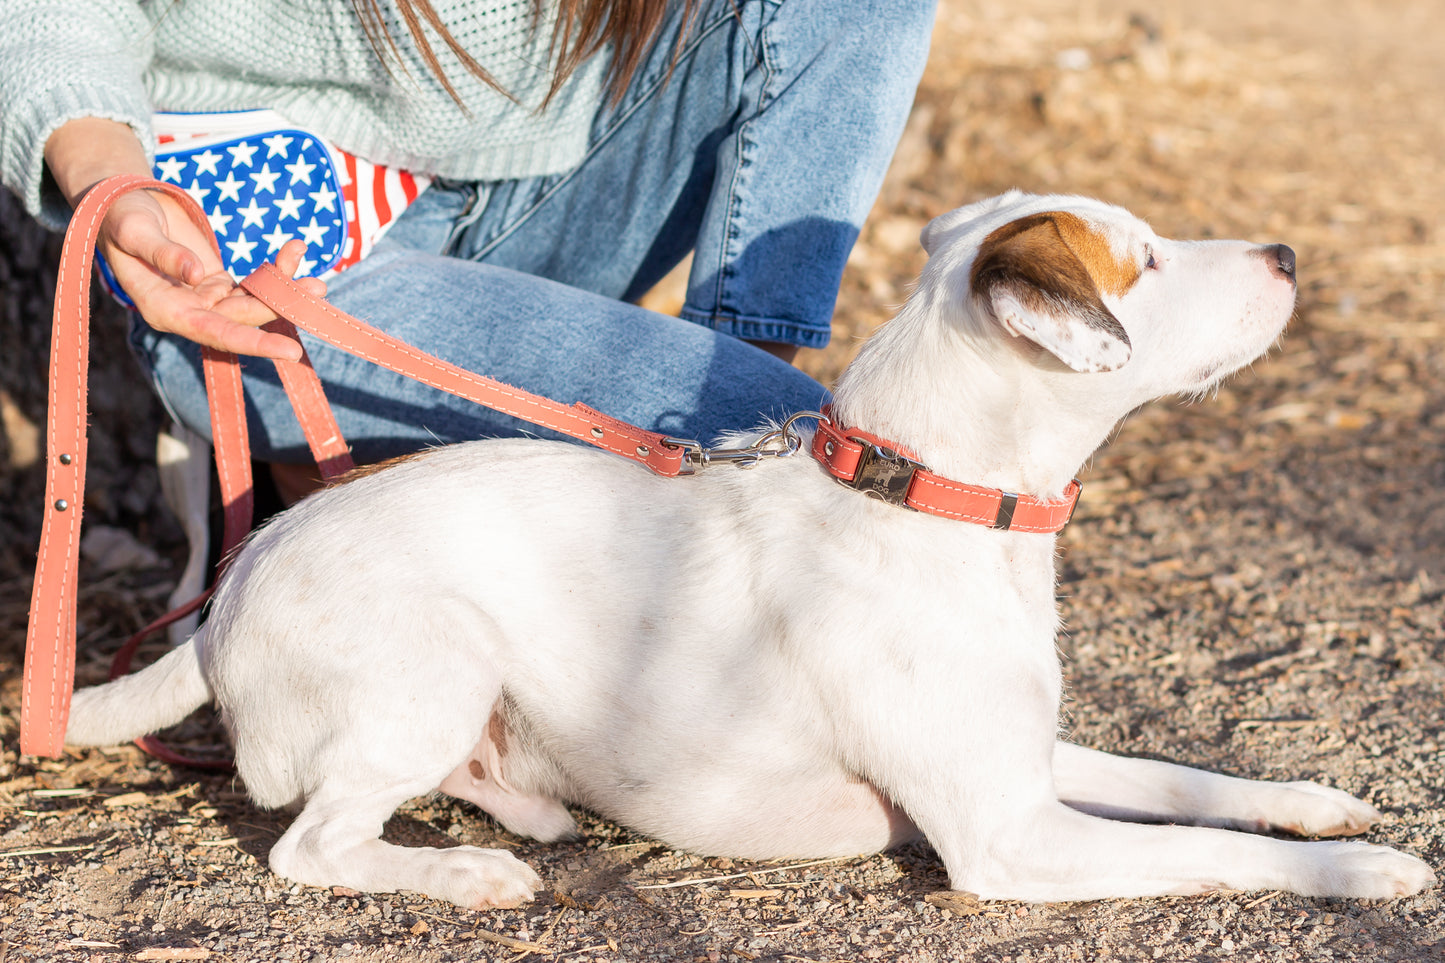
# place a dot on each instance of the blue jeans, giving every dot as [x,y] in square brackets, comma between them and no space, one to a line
[760,148]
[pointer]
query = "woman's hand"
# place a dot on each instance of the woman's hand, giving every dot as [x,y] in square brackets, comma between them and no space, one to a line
[167,265]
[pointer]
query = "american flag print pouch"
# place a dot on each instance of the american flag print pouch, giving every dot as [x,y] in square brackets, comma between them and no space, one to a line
[263,181]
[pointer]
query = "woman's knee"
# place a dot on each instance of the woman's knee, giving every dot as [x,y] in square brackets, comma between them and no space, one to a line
[887,35]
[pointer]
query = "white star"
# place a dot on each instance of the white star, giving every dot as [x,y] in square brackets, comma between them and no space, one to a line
[241,248]
[276,144]
[206,163]
[304,267]
[198,192]
[230,188]
[252,215]
[170,168]
[300,170]
[324,199]
[275,239]
[241,153]
[289,206]
[265,180]
[218,221]
[313,233]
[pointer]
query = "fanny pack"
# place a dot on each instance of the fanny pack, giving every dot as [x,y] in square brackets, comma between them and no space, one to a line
[262,181]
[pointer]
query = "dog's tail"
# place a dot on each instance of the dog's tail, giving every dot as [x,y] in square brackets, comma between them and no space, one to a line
[137,705]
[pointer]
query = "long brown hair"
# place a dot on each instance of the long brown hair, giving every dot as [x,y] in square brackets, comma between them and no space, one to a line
[583,28]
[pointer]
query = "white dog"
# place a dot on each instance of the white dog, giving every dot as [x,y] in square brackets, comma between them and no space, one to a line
[763,664]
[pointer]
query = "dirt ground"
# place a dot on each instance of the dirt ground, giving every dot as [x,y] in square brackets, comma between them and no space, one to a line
[1253,584]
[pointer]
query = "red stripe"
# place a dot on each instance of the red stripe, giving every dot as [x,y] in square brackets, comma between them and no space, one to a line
[408,185]
[353,223]
[378,193]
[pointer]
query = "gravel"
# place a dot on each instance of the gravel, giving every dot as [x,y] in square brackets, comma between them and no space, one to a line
[1253,584]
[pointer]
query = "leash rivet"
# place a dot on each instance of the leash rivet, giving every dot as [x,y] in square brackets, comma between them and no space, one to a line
[597,432]
[61,504]
[65,459]
[828,448]
[643,450]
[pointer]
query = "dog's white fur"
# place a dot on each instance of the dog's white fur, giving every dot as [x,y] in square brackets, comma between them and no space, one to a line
[762,664]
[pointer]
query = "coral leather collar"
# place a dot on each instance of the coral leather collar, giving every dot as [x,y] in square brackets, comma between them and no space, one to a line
[880,469]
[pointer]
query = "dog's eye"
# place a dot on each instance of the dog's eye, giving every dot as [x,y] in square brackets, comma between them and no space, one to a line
[1149,263]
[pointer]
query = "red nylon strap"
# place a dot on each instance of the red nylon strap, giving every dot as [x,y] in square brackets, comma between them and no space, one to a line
[842,450]
[287,299]
[50,636]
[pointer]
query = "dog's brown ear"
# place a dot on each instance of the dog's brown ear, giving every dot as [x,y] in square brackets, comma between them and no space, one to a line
[1032,274]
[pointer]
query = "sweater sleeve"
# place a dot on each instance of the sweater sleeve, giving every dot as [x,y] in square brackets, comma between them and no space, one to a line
[59,61]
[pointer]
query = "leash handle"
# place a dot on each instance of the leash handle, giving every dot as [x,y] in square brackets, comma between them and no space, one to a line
[50,634]
[49,674]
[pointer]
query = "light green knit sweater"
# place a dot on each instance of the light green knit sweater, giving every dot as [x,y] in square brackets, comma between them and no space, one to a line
[308,59]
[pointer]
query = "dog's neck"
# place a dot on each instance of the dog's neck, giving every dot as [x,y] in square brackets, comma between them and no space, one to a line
[969,406]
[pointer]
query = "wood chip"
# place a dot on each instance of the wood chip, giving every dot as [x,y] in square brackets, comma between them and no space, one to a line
[700,880]
[173,953]
[47,851]
[755,893]
[955,901]
[509,942]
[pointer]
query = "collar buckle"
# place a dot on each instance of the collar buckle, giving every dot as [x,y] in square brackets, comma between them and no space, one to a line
[883,473]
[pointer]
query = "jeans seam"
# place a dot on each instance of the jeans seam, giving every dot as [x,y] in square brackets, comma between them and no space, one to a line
[727,254]
[750,328]
[613,127]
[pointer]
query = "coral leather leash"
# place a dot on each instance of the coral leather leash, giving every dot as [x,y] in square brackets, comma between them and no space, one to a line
[50,638]
[857,459]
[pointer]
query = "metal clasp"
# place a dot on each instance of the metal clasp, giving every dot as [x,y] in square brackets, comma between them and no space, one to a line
[782,442]
[694,456]
[883,473]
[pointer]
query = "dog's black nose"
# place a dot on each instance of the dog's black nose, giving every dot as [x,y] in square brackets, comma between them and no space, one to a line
[1280,258]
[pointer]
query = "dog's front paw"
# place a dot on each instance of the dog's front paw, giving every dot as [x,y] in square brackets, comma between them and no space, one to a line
[1309,809]
[483,878]
[1366,871]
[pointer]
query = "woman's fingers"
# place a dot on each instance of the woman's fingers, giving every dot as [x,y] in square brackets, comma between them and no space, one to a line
[172,273]
[217,330]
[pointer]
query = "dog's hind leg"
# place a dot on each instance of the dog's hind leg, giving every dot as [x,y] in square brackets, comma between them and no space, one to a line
[481,781]
[351,745]
[335,841]
[1143,790]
